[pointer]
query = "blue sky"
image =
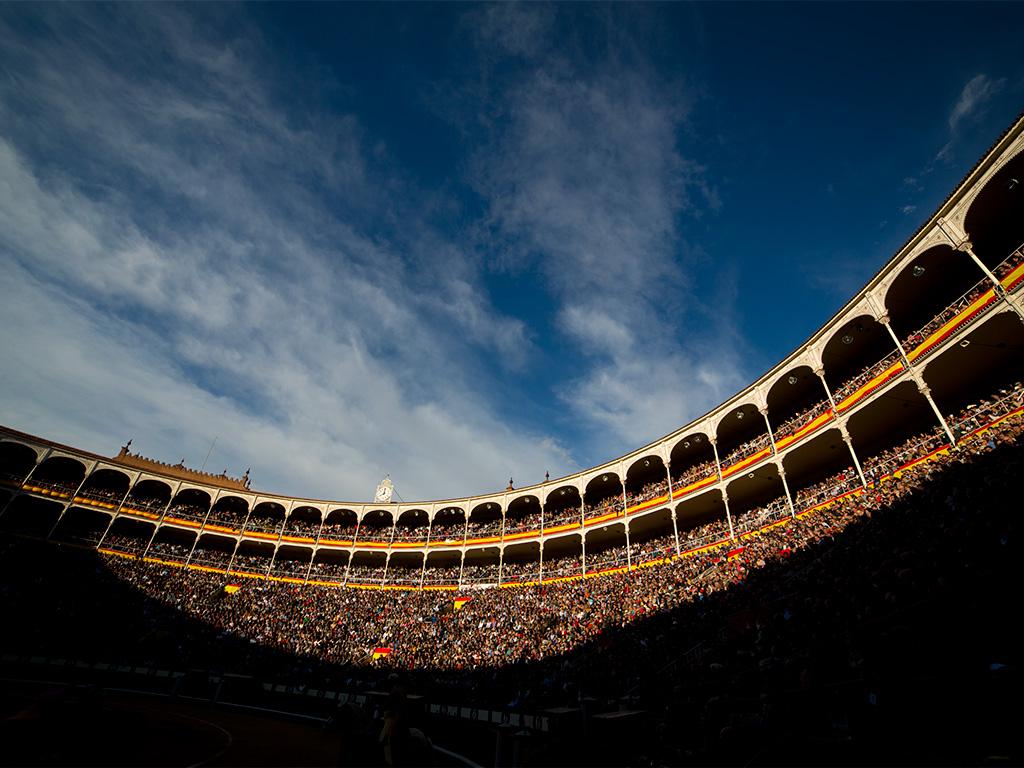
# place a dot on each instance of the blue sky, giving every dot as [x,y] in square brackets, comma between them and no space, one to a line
[454,242]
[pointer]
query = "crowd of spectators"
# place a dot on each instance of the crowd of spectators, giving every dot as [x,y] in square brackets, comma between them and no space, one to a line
[692,474]
[613,503]
[800,418]
[918,337]
[648,492]
[857,381]
[745,449]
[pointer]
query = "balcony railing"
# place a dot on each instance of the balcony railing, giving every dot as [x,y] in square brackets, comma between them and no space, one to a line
[873,376]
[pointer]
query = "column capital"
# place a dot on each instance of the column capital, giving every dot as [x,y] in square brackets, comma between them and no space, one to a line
[782,470]
[764,411]
[923,388]
[883,318]
[725,495]
[846,436]
[820,373]
[965,246]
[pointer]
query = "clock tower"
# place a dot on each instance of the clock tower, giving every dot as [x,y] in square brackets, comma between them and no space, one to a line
[384,490]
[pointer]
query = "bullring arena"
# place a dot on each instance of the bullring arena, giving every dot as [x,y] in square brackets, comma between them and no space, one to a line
[802,575]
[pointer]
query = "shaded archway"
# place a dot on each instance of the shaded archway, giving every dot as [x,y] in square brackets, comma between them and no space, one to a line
[367,568]
[190,505]
[84,526]
[742,437]
[148,496]
[30,515]
[213,550]
[701,520]
[412,526]
[692,463]
[266,517]
[857,353]
[522,517]
[405,569]
[444,567]
[563,556]
[228,514]
[170,543]
[106,486]
[794,401]
[339,527]
[57,473]
[757,497]
[481,567]
[292,561]
[253,557]
[329,566]
[376,526]
[521,563]
[652,537]
[562,508]
[128,536]
[930,290]
[303,523]
[448,526]
[819,470]
[16,461]
[485,521]
[995,220]
[602,498]
[606,548]
[646,480]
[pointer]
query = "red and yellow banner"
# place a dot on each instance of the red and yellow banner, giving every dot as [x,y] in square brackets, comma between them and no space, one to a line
[871,386]
[459,602]
[232,588]
[381,652]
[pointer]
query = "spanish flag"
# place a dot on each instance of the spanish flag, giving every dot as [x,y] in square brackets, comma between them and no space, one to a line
[461,601]
[381,652]
[230,589]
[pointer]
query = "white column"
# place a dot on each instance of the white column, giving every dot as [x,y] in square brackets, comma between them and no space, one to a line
[856,462]
[785,486]
[671,510]
[728,514]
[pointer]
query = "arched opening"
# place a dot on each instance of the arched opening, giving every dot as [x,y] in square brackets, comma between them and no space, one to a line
[995,220]
[339,527]
[692,463]
[376,526]
[405,569]
[742,438]
[253,557]
[602,498]
[651,537]
[291,561]
[521,563]
[978,380]
[303,523]
[563,508]
[267,517]
[522,517]
[858,359]
[213,551]
[329,566]
[443,568]
[189,505]
[57,474]
[367,568]
[16,461]
[30,515]
[757,498]
[172,544]
[897,427]
[646,480]
[149,497]
[485,521]
[606,548]
[412,526]
[448,526]
[563,556]
[701,521]
[481,567]
[128,536]
[930,291]
[820,470]
[228,514]
[106,486]
[81,525]
[794,402]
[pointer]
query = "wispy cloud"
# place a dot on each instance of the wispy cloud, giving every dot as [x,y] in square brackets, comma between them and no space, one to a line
[585,177]
[974,96]
[186,258]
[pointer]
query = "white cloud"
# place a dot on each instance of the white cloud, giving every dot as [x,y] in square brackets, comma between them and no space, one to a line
[173,276]
[975,93]
[586,178]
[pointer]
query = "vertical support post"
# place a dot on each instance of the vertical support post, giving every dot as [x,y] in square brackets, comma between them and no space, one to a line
[728,514]
[718,464]
[856,462]
[202,525]
[768,424]
[117,513]
[785,486]
[160,521]
[671,511]
[965,246]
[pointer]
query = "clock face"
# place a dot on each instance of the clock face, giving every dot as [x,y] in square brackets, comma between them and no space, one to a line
[384,491]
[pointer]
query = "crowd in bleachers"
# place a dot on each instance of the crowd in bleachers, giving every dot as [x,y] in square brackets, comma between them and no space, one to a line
[693,474]
[503,625]
[799,419]
[648,492]
[858,380]
[745,449]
